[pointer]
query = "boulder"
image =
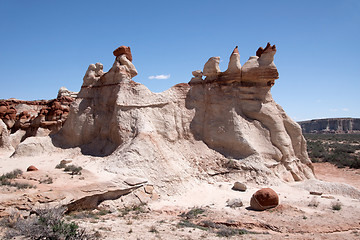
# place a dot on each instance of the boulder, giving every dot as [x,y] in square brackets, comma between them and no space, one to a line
[234,203]
[264,198]
[238,186]
[31,168]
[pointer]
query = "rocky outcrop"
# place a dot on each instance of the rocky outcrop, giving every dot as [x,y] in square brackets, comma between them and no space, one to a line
[331,125]
[236,115]
[24,119]
[228,119]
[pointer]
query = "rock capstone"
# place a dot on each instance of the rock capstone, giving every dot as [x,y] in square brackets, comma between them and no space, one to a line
[123,50]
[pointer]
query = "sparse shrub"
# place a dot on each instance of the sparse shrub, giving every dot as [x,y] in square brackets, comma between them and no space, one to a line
[193,213]
[153,229]
[73,169]
[10,175]
[187,223]
[137,209]
[228,232]
[60,166]
[336,206]
[48,224]
[314,202]
[6,178]
[94,214]
[47,180]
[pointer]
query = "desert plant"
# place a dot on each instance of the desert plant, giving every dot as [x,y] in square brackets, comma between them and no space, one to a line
[193,213]
[336,206]
[314,202]
[137,209]
[228,232]
[6,178]
[73,169]
[48,180]
[187,223]
[60,166]
[153,229]
[10,175]
[48,224]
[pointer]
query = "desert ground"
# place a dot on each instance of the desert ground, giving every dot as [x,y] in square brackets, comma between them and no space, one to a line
[198,211]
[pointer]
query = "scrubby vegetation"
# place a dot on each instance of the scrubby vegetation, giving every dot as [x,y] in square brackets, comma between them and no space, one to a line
[72,169]
[343,150]
[336,206]
[192,219]
[48,224]
[6,179]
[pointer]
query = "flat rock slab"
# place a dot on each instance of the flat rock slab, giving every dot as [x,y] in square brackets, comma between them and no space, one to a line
[132,181]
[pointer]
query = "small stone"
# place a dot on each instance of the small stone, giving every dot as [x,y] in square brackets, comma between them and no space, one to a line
[316,193]
[149,189]
[132,181]
[155,196]
[31,168]
[263,199]
[142,196]
[238,186]
[234,203]
[328,197]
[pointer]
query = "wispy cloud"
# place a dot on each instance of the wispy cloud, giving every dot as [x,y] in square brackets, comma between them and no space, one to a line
[161,76]
[337,110]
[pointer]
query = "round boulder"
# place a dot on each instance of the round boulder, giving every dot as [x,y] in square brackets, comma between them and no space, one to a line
[31,168]
[263,199]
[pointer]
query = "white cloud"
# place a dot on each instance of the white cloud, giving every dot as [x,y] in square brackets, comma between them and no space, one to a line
[160,76]
[333,110]
[345,109]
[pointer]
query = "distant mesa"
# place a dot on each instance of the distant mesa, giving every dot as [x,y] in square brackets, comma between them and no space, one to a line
[331,125]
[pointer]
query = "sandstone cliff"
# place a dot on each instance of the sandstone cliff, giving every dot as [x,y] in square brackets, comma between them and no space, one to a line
[226,121]
[331,125]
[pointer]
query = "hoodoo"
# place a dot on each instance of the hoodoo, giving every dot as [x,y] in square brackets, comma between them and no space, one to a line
[227,120]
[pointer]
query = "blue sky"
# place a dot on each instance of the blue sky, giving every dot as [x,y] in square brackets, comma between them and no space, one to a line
[45,45]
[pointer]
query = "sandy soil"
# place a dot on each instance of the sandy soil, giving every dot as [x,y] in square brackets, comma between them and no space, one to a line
[330,173]
[300,215]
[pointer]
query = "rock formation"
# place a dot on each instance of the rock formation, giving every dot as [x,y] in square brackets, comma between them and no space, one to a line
[21,119]
[226,121]
[236,115]
[331,125]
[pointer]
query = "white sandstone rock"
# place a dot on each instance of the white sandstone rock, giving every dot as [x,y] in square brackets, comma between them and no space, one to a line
[211,68]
